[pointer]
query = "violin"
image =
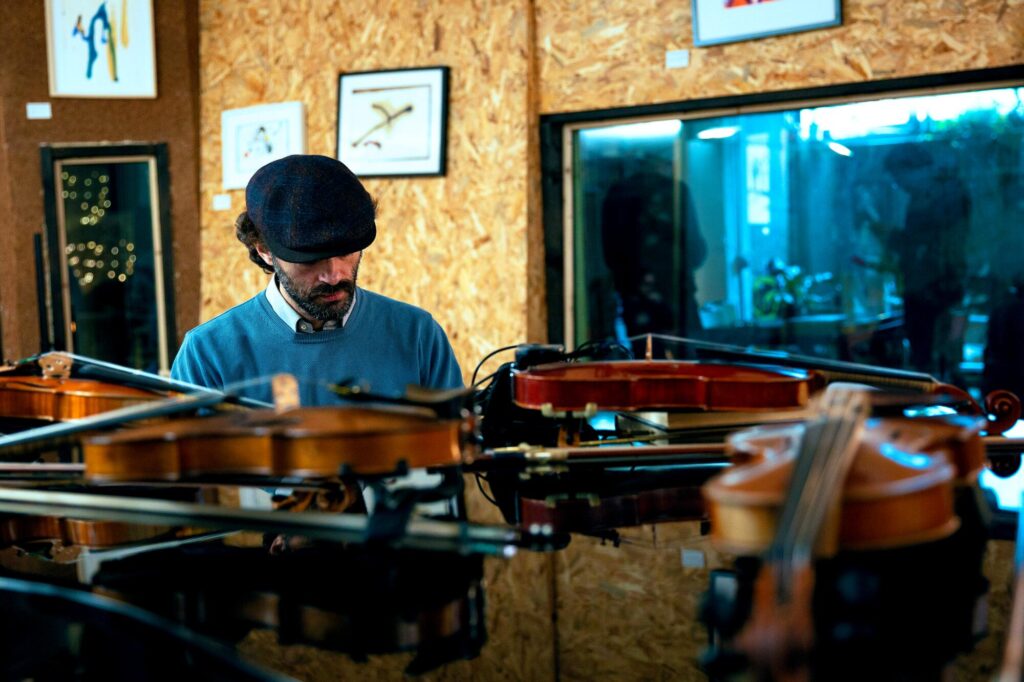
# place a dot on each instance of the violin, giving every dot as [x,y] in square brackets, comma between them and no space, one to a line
[1001,409]
[308,442]
[855,492]
[44,390]
[631,385]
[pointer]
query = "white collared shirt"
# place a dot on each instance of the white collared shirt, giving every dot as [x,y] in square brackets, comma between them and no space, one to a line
[292,318]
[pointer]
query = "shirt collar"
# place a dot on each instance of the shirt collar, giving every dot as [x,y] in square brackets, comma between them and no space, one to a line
[292,318]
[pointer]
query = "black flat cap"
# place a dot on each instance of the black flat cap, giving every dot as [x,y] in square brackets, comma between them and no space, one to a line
[309,207]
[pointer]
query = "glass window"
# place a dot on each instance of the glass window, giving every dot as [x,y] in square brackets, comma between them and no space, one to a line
[883,231]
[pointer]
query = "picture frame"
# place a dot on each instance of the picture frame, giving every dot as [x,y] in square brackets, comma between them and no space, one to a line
[101,48]
[727,21]
[394,123]
[252,137]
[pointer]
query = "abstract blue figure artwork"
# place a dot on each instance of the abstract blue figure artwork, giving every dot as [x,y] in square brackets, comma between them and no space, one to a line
[107,36]
[83,35]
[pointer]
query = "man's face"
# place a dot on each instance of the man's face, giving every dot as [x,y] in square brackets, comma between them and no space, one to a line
[323,289]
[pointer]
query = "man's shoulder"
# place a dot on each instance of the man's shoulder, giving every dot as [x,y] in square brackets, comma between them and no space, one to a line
[379,304]
[228,319]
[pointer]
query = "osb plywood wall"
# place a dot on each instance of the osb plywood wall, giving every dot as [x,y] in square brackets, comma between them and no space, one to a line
[465,246]
[455,245]
[595,54]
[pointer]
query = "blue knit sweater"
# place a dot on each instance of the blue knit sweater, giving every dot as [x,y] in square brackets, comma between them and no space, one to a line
[386,345]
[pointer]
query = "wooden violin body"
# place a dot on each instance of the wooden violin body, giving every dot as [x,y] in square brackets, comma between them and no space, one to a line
[862,586]
[308,442]
[45,390]
[630,385]
[899,490]
[50,399]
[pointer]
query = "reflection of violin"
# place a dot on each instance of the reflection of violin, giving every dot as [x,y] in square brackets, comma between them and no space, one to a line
[25,530]
[603,488]
[594,490]
[825,489]
[309,442]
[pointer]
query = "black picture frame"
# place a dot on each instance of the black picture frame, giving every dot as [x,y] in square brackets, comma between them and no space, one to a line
[718,21]
[394,123]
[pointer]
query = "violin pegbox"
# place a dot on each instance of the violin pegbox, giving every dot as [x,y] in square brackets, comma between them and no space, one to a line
[55,365]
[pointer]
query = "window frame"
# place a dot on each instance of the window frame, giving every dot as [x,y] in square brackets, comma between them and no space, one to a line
[557,154]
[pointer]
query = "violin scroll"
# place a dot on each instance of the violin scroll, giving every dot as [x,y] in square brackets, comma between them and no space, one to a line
[1003,408]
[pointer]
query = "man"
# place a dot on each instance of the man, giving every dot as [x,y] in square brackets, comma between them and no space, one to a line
[644,217]
[307,221]
[931,254]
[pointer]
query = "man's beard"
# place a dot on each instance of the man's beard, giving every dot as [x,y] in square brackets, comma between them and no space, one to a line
[322,311]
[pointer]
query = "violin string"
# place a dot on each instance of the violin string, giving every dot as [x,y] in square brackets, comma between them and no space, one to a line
[816,470]
[792,506]
[821,479]
[834,467]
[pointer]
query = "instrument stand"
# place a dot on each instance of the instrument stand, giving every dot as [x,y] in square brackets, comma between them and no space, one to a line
[394,505]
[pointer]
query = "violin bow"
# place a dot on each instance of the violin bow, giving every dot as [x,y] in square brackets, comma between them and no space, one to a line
[59,432]
[445,403]
[91,368]
[835,370]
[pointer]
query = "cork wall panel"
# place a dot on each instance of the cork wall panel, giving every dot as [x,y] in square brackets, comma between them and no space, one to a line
[455,245]
[172,117]
[594,54]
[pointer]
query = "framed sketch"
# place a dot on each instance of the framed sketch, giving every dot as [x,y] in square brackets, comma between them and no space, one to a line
[254,136]
[101,48]
[728,21]
[393,122]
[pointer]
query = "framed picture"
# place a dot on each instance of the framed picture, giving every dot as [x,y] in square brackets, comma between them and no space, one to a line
[101,48]
[254,136]
[729,21]
[393,122]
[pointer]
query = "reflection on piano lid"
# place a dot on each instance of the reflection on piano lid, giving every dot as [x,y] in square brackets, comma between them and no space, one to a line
[53,632]
[415,533]
[361,600]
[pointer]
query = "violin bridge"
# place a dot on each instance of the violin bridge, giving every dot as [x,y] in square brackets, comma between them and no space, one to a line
[55,365]
[285,389]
